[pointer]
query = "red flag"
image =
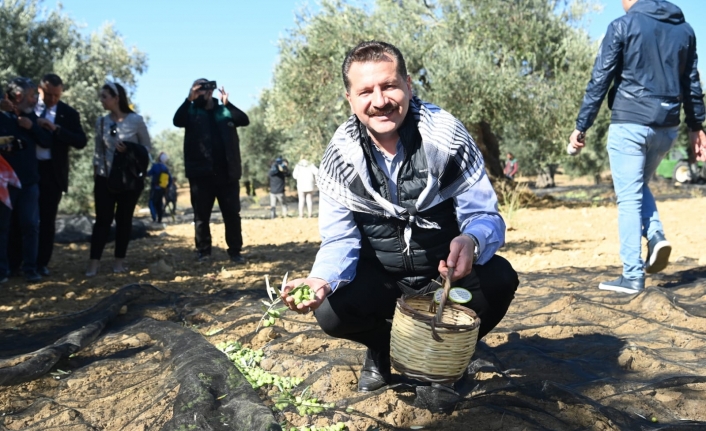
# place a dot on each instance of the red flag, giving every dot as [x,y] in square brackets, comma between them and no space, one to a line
[7,177]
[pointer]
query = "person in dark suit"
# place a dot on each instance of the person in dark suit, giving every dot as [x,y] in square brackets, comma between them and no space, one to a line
[22,123]
[64,123]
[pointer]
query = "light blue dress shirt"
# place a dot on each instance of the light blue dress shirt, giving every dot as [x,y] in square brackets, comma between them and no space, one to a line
[476,212]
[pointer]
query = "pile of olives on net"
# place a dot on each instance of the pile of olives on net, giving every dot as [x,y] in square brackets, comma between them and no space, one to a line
[247,361]
[305,406]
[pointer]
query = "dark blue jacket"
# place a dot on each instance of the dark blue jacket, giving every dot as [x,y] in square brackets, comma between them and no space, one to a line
[649,55]
[24,162]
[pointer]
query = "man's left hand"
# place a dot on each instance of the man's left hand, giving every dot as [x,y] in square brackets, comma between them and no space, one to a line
[46,124]
[224,95]
[460,257]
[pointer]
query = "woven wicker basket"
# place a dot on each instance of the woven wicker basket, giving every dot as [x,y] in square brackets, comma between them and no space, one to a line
[433,352]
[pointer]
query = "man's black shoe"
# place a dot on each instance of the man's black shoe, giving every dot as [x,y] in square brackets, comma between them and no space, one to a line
[43,271]
[237,259]
[376,371]
[32,277]
[658,251]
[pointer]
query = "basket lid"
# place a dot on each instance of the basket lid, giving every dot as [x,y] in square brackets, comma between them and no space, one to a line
[403,304]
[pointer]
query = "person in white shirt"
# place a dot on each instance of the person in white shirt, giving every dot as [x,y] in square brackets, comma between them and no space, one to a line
[305,175]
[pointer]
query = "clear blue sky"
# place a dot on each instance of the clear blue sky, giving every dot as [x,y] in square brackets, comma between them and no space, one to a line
[235,43]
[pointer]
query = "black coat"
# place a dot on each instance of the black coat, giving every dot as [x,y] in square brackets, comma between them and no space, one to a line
[24,162]
[198,146]
[69,134]
[649,55]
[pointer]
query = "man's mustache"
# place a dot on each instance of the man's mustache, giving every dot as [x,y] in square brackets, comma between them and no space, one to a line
[389,106]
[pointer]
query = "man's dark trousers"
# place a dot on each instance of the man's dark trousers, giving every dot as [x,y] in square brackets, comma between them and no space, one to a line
[49,198]
[25,240]
[360,310]
[204,192]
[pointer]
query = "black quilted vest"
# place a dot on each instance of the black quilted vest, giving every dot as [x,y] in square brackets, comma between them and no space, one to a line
[382,242]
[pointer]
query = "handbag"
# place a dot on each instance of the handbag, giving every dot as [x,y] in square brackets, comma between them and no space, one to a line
[129,167]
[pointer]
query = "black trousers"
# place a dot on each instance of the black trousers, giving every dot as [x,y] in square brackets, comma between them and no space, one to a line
[359,311]
[109,206]
[204,192]
[49,198]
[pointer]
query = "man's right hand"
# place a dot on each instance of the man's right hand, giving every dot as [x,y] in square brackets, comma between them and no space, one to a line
[320,287]
[46,124]
[576,141]
[698,145]
[195,91]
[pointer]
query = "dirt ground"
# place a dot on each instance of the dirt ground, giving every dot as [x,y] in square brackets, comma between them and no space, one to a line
[567,356]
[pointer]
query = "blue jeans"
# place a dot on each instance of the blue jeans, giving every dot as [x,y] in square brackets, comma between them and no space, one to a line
[26,202]
[635,151]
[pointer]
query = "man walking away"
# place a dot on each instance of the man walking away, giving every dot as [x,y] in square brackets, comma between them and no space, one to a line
[649,56]
[212,163]
[278,175]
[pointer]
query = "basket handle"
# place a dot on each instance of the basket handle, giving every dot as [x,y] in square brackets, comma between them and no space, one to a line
[445,295]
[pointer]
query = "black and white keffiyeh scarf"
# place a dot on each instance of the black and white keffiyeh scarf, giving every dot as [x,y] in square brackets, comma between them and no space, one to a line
[454,161]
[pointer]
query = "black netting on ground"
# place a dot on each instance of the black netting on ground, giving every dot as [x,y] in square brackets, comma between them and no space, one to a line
[566,357]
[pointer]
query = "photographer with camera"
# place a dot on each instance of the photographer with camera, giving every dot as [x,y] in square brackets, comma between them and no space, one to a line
[19,120]
[212,163]
[122,144]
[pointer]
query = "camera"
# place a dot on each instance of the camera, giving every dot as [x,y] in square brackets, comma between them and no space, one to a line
[10,144]
[208,85]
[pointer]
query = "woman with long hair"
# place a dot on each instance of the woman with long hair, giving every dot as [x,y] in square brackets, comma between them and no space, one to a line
[113,131]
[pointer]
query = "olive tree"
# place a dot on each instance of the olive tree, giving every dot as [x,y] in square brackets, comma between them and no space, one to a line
[511,70]
[35,41]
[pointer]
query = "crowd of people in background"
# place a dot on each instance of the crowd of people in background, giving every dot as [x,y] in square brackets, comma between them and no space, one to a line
[37,130]
[42,129]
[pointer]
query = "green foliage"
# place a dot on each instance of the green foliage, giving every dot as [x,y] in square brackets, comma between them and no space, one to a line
[260,144]
[35,41]
[519,66]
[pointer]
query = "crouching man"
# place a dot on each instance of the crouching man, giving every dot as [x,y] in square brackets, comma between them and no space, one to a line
[404,197]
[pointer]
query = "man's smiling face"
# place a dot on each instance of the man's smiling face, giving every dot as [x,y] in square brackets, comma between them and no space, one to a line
[379,96]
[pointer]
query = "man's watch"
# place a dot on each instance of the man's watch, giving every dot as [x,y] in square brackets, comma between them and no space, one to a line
[476,247]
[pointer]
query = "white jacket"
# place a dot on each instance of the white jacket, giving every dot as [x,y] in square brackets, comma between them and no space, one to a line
[305,175]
